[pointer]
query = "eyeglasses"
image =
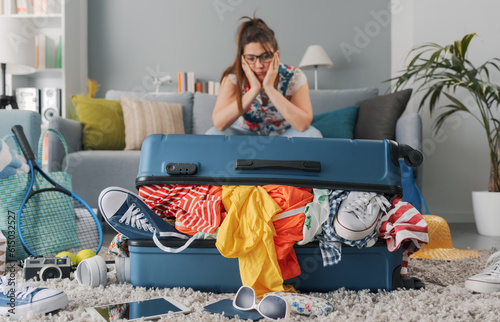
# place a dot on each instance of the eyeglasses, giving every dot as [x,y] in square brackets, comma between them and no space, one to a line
[271,306]
[264,58]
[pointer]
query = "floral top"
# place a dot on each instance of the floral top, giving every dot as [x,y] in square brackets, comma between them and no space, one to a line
[262,117]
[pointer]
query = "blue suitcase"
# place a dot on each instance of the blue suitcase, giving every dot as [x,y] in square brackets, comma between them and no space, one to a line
[363,165]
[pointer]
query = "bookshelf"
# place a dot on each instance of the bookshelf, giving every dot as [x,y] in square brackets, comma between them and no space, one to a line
[64,25]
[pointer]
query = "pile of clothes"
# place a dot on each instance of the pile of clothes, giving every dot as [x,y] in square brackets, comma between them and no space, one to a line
[260,224]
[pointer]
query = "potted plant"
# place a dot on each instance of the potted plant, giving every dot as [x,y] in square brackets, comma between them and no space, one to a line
[439,71]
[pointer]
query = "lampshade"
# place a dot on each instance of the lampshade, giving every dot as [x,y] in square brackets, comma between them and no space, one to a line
[17,47]
[315,57]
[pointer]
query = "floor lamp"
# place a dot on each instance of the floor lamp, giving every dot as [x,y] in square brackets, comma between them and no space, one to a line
[17,55]
[314,58]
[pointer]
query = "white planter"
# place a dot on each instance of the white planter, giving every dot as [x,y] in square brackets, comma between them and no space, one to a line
[486,207]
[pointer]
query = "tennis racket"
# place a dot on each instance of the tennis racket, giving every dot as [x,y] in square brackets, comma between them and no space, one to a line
[52,218]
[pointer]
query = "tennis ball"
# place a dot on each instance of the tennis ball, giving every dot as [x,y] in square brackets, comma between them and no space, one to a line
[70,255]
[84,254]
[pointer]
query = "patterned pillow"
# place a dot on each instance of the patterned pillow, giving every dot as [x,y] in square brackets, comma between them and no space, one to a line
[143,118]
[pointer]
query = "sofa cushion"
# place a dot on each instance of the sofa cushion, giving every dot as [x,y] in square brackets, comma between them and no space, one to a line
[322,101]
[202,112]
[185,99]
[334,99]
[93,171]
[337,124]
[143,118]
[102,119]
[377,116]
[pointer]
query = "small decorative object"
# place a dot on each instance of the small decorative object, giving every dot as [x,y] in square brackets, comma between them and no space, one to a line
[93,87]
[441,70]
[314,58]
[157,81]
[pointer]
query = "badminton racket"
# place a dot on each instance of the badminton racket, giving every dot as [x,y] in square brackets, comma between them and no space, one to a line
[52,218]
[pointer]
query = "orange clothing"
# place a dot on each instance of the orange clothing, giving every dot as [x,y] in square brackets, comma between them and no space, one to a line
[196,208]
[289,224]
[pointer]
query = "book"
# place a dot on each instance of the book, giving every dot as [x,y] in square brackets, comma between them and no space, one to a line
[182,78]
[59,53]
[198,87]
[40,7]
[37,7]
[204,87]
[211,87]
[44,6]
[217,88]
[190,82]
[22,6]
[40,51]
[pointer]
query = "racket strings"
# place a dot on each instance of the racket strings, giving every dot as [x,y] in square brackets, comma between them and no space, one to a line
[51,222]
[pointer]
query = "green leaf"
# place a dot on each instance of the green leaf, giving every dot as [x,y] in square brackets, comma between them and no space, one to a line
[466,41]
[458,104]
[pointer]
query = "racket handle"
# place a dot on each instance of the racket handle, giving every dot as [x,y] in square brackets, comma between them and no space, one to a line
[23,142]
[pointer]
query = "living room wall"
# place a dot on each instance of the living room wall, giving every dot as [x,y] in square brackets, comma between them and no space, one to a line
[130,40]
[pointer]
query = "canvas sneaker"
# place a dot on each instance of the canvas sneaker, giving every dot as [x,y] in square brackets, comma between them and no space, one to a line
[358,214]
[489,280]
[126,213]
[18,299]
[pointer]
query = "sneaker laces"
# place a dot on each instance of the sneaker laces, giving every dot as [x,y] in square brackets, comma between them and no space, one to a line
[359,205]
[22,290]
[135,218]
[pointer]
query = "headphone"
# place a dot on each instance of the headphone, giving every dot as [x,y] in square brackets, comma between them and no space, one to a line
[92,269]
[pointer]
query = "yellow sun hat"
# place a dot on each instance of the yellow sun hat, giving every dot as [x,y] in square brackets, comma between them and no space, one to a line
[440,245]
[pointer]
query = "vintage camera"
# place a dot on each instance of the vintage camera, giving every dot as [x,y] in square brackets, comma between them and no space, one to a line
[44,268]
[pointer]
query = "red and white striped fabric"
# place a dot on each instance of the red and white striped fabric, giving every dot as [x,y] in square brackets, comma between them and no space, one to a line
[404,226]
[196,208]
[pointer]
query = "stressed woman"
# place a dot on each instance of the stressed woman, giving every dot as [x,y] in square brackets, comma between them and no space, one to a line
[258,94]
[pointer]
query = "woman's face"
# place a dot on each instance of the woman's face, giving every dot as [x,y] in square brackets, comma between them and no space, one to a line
[258,58]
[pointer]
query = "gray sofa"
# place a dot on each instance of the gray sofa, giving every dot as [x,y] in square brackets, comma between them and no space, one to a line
[95,170]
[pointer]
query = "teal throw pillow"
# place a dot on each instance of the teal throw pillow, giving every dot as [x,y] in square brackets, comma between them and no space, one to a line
[337,124]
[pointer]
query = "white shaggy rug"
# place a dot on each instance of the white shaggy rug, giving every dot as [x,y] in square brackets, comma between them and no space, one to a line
[443,299]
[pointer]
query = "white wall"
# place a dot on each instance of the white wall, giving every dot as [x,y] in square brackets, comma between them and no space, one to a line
[457,160]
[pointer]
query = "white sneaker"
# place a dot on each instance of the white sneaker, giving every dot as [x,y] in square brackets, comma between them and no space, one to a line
[489,280]
[18,299]
[358,214]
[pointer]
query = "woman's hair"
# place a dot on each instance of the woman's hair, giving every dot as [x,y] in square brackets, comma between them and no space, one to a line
[251,30]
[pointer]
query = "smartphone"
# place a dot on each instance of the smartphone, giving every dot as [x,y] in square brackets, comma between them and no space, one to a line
[147,309]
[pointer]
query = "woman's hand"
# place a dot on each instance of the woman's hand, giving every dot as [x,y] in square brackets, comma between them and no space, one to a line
[272,72]
[252,78]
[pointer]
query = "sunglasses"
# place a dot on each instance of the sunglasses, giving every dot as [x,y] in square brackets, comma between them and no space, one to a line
[271,306]
[264,58]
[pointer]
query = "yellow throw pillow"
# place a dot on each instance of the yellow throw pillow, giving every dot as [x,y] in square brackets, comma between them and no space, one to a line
[143,118]
[103,127]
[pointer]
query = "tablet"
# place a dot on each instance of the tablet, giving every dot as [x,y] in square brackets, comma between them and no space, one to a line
[147,309]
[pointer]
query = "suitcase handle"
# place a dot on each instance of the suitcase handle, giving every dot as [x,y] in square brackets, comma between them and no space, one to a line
[413,157]
[252,164]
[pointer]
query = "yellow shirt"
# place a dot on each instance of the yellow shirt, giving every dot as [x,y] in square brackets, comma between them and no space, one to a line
[247,233]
